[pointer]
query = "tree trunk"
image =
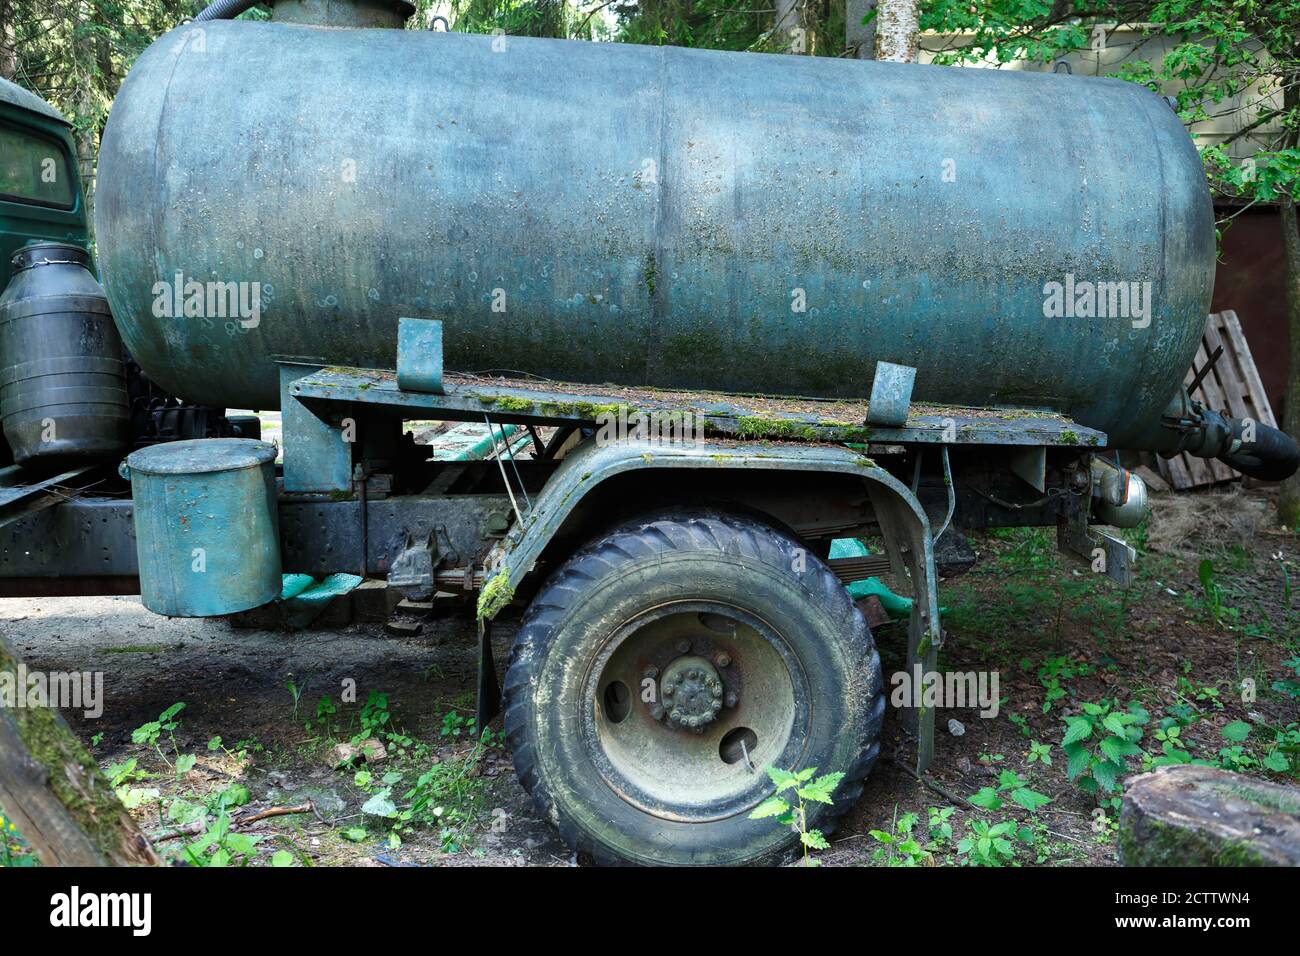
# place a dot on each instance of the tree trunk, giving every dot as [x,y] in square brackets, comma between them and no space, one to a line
[790,26]
[84,111]
[8,41]
[898,32]
[52,790]
[1288,502]
[858,36]
[1202,816]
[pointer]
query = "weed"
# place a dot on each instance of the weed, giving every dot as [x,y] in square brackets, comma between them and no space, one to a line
[13,850]
[150,733]
[940,827]
[296,693]
[1213,594]
[1042,753]
[325,713]
[805,790]
[1014,786]
[1097,744]
[1290,686]
[989,844]
[898,847]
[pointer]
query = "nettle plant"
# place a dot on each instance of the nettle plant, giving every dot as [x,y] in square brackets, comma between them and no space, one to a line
[805,790]
[1097,744]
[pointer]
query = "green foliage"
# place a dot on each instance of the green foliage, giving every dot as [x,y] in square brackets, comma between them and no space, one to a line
[447,794]
[1098,743]
[151,733]
[898,847]
[1010,785]
[989,844]
[1054,671]
[805,790]
[1290,686]
[1042,753]
[296,692]
[1223,57]
[14,852]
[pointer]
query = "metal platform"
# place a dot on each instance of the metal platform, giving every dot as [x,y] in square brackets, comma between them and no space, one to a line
[745,417]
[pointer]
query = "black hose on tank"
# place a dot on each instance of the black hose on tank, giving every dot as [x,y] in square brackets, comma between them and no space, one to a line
[1272,456]
[225,9]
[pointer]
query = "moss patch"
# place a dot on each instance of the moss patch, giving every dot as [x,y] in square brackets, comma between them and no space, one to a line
[775,428]
[496,594]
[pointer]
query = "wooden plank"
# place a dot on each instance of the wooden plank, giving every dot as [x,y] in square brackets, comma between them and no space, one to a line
[1246,368]
[1174,471]
[1227,374]
[1232,386]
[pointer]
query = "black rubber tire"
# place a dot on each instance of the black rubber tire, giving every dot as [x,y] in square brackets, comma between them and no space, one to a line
[691,556]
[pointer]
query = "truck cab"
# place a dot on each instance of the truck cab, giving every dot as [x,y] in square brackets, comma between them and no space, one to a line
[40,191]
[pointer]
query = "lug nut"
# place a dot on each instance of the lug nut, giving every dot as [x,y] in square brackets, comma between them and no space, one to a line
[722,660]
[657,712]
[731,699]
[683,646]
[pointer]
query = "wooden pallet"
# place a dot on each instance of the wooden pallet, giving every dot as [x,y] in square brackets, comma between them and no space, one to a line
[1234,385]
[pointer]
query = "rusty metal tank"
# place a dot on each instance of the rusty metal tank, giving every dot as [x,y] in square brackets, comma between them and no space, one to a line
[650,216]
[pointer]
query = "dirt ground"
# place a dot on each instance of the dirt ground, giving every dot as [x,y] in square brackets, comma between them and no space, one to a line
[1178,645]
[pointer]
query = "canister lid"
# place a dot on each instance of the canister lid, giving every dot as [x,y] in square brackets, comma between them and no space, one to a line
[200,455]
[49,253]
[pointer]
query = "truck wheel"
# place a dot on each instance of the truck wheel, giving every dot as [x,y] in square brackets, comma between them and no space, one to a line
[665,666]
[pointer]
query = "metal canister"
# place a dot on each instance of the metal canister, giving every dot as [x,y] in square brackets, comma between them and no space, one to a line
[207,530]
[63,390]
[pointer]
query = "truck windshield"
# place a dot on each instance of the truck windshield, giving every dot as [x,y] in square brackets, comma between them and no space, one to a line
[34,169]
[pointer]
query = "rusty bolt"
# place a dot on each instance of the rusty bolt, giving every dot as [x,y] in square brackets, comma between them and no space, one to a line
[657,712]
[683,646]
[731,699]
[717,706]
[722,660]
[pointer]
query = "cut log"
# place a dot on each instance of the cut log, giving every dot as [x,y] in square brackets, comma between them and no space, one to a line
[53,791]
[1202,816]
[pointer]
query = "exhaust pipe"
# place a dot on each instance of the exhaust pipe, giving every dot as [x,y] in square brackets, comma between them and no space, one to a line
[1271,456]
[1256,450]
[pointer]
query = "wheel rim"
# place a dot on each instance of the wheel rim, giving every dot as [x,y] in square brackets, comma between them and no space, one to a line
[664,755]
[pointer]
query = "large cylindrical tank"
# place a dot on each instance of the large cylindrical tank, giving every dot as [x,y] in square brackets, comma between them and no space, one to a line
[640,215]
[63,395]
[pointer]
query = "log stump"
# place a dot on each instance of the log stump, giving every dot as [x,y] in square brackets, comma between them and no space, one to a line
[1201,816]
[52,789]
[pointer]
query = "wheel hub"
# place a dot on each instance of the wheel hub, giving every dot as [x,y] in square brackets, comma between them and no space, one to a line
[691,692]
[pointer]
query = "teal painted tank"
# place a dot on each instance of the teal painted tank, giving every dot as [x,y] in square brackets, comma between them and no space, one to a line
[651,216]
[206,526]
